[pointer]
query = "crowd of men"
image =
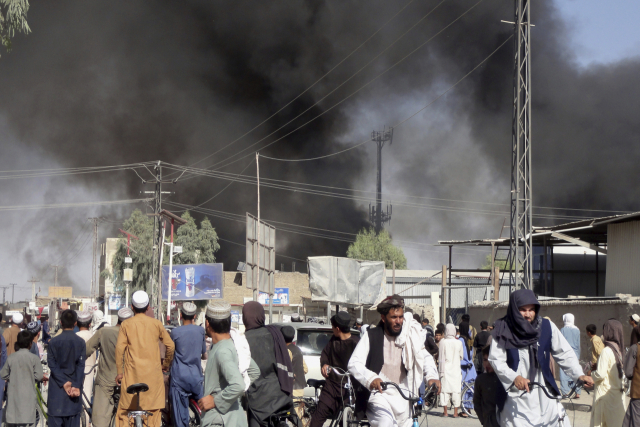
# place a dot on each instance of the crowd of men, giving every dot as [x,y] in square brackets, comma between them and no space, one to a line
[249,378]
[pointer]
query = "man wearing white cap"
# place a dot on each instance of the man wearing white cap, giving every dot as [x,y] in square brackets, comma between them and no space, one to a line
[105,339]
[84,323]
[223,384]
[186,371]
[634,320]
[138,361]
[11,334]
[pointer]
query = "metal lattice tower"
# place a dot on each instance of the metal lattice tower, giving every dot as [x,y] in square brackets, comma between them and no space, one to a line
[521,250]
[376,216]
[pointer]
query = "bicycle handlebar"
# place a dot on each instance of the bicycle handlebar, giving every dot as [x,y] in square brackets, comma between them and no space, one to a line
[339,372]
[576,385]
[384,386]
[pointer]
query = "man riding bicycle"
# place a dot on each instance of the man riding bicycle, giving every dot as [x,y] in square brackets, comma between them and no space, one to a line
[391,352]
[335,354]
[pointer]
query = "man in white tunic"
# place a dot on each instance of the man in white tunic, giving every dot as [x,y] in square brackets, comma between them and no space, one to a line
[391,352]
[450,355]
[84,323]
[522,345]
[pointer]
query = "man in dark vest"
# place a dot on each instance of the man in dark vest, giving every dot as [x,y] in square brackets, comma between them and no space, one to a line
[393,351]
[632,372]
[336,354]
[521,348]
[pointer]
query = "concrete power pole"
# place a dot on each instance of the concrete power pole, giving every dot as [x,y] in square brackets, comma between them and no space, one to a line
[521,249]
[376,216]
[55,280]
[4,292]
[33,282]
[13,291]
[94,259]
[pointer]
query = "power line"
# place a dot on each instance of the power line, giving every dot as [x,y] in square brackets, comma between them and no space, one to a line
[71,205]
[40,173]
[308,88]
[252,180]
[339,102]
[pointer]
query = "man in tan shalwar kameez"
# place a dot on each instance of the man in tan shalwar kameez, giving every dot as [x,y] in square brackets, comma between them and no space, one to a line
[138,361]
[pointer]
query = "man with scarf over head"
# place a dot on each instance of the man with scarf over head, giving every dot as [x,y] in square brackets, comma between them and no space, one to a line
[572,334]
[609,403]
[272,391]
[391,352]
[522,345]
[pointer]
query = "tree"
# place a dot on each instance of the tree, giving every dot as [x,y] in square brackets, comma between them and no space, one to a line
[198,247]
[500,263]
[13,18]
[371,246]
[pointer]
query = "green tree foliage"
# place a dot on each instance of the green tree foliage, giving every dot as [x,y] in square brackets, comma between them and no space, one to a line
[377,247]
[198,246]
[500,263]
[13,18]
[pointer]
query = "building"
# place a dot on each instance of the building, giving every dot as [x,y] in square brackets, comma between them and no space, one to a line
[592,257]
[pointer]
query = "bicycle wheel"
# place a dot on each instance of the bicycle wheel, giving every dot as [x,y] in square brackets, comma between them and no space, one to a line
[113,420]
[467,399]
[349,418]
[194,415]
[430,399]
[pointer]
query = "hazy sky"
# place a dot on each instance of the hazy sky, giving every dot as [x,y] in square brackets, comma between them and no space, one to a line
[601,31]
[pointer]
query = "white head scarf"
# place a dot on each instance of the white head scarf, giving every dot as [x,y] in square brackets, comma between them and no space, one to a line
[568,320]
[450,331]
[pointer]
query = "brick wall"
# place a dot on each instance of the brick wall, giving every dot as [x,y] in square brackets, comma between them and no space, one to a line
[235,286]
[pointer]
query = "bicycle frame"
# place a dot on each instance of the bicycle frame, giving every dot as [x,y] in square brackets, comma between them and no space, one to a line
[349,387]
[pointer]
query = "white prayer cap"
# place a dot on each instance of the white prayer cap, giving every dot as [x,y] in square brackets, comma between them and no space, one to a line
[295,317]
[17,318]
[98,315]
[636,318]
[124,314]
[188,309]
[84,316]
[140,299]
[359,321]
[218,310]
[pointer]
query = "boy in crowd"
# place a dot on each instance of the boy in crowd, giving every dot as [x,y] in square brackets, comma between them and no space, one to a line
[486,388]
[596,345]
[21,370]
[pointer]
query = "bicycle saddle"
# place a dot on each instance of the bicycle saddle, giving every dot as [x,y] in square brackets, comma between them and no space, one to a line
[316,383]
[137,388]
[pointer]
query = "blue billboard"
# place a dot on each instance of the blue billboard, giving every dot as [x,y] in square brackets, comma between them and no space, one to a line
[280,297]
[193,282]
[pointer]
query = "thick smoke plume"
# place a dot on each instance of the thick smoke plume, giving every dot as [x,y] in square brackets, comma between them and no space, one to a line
[106,83]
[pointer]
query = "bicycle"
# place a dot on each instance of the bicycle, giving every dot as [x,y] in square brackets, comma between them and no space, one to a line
[467,387]
[139,413]
[414,402]
[431,398]
[42,391]
[305,407]
[195,414]
[562,413]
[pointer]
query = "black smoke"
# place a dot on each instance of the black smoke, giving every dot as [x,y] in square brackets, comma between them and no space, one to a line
[114,83]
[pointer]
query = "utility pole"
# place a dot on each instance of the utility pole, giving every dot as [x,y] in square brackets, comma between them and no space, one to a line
[33,282]
[256,289]
[4,292]
[158,240]
[521,250]
[94,259]
[376,216]
[13,290]
[55,280]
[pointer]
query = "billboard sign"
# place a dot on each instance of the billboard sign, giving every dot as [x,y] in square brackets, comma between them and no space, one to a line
[116,302]
[280,297]
[193,282]
[265,251]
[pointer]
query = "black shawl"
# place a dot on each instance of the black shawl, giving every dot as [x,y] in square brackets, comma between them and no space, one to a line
[514,331]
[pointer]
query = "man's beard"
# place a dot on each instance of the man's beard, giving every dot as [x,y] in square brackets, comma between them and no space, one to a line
[391,332]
